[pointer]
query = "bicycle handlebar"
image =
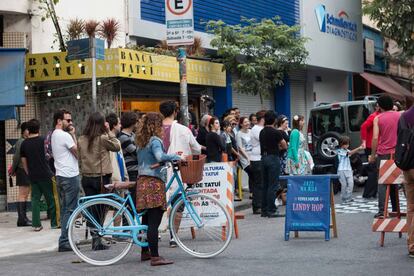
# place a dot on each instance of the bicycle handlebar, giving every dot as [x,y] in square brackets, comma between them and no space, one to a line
[161,164]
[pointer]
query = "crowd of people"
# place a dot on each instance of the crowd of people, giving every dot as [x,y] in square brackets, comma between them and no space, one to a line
[112,149]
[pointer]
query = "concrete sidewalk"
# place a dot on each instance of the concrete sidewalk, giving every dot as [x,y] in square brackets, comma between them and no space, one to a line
[23,240]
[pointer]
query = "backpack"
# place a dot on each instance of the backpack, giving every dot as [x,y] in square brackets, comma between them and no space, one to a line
[404,150]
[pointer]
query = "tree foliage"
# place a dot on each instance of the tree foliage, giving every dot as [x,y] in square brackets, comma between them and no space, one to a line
[260,53]
[395,19]
[47,9]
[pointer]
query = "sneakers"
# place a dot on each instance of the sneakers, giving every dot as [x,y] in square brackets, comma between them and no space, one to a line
[37,229]
[64,248]
[379,216]
[173,244]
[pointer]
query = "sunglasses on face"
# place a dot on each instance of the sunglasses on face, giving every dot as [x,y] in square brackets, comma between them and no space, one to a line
[68,120]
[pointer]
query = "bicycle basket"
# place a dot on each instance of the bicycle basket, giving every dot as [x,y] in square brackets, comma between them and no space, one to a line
[192,169]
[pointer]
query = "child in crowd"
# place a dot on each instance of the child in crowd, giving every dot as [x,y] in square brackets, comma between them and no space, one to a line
[345,173]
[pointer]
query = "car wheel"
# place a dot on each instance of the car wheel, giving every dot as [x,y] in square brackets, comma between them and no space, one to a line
[328,143]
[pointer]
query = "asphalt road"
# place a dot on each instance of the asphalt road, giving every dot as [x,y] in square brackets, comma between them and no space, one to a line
[261,250]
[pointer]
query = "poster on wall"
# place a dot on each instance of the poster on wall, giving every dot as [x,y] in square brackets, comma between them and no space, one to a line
[369,51]
[217,182]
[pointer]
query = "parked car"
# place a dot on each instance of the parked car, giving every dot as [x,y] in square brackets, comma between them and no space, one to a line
[328,122]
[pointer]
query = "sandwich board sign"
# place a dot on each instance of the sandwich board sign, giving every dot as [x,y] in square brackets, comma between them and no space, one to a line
[179,21]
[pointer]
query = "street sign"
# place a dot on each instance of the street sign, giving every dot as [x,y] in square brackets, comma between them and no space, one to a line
[179,21]
[308,204]
[80,49]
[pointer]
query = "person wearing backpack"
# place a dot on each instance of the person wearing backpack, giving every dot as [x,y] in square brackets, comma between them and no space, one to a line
[404,159]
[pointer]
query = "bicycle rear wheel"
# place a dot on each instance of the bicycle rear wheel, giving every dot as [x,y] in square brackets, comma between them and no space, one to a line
[206,235]
[93,232]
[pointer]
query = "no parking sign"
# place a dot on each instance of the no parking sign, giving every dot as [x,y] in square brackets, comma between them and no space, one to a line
[179,21]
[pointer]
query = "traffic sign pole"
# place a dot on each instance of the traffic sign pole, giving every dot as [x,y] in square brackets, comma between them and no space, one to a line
[179,21]
[93,56]
[182,59]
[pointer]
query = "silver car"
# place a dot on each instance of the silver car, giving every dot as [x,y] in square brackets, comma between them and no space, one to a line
[328,122]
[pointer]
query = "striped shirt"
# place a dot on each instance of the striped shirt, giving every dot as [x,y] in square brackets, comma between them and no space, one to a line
[129,149]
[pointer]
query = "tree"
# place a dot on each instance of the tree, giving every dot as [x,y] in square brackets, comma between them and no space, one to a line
[395,19]
[75,29]
[109,30]
[48,9]
[260,53]
[91,27]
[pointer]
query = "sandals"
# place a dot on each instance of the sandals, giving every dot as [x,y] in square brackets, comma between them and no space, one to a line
[156,261]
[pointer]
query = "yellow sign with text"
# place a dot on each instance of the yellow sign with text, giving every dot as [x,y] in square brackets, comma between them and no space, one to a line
[123,63]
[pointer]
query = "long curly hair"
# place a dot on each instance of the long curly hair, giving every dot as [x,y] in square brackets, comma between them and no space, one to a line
[149,125]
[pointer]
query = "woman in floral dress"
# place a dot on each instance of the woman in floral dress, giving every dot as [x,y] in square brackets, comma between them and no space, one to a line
[297,163]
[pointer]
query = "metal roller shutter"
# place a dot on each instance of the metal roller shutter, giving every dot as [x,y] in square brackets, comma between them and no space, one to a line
[249,104]
[298,103]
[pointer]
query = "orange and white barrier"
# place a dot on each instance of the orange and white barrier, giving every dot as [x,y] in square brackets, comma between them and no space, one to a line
[389,173]
[395,225]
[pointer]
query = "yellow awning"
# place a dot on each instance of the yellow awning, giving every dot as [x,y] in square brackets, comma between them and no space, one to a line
[123,63]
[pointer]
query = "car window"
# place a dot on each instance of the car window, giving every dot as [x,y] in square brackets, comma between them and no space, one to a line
[326,120]
[357,114]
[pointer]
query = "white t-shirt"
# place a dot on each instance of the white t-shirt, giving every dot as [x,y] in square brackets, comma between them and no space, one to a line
[243,140]
[66,163]
[255,142]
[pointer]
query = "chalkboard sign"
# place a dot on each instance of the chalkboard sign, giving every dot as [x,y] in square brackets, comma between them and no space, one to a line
[308,204]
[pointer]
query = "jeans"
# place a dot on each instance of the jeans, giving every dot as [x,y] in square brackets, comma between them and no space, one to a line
[383,188]
[409,189]
[257,183]
[271,172]
[68,188]
[347,184]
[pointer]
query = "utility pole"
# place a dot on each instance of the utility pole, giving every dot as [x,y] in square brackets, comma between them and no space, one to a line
[92,46]
[182,60]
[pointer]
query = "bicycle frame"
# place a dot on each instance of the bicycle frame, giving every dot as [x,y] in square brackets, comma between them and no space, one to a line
[133,231]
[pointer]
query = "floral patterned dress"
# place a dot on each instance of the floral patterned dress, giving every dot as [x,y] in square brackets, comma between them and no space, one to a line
[296,151]
[150,193]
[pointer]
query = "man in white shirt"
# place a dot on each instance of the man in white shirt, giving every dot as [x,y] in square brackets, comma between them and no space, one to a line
[64,150]
[177,139]
[256,163]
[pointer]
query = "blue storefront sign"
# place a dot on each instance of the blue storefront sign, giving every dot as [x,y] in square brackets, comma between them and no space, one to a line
[308,204]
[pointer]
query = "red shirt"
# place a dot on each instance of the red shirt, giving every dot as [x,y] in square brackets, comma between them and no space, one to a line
[388,126]
[367,129]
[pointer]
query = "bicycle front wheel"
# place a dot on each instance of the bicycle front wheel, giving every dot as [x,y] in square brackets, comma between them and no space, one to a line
[203,227]
[94,232]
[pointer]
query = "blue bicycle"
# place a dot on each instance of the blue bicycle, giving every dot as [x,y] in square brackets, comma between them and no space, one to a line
[200,224]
